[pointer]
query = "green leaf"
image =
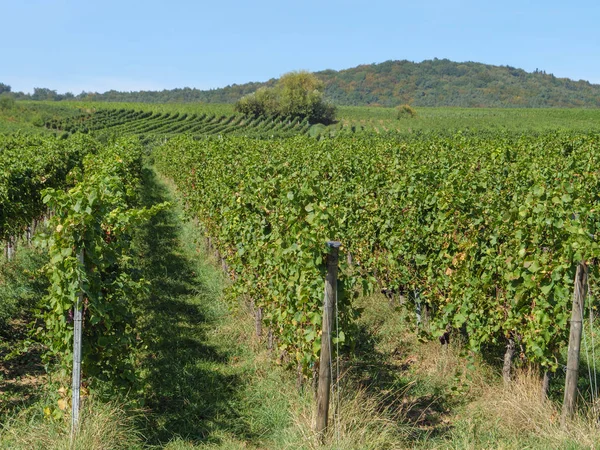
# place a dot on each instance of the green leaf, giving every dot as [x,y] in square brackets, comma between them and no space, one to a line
[341,338]
[547,288]
[533,266]
[310,335]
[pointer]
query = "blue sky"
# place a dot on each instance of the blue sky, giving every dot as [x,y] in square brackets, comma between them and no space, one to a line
[74,46]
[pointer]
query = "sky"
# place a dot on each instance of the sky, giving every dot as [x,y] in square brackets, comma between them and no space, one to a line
[95,46]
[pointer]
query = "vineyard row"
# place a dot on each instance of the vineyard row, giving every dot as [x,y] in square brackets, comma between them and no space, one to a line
[482,233]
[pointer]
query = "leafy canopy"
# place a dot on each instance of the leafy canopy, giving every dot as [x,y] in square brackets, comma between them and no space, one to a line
[297,94]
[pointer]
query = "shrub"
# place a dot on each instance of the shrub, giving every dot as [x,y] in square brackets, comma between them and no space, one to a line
[297,94]
[405,112]
[6,102]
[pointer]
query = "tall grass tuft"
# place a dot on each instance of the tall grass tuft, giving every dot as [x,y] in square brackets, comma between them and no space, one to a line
[517,413]
[104,426]
[362,422]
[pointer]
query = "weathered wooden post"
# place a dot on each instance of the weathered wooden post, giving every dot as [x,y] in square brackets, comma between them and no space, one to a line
[508,359]
[10,247]
[258,318]
[546,384]
[579,294]
[325,358]
[225,266]
[77,333]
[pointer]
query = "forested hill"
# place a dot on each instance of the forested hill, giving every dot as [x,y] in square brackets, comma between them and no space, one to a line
[437,82]
[441,82]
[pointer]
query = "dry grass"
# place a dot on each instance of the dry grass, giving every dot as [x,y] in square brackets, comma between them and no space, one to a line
[103,427]
[361,422]
[449,367]
[520,410]
[456,401]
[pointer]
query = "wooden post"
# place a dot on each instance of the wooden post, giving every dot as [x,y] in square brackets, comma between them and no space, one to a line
[579,294]
[325,358]
[401,299]
[258,314]
[10,248]
[225,266]
[417,307]
[315,380]
[299,377]
[546,384]
[77,333]
[425,310]
[508,359]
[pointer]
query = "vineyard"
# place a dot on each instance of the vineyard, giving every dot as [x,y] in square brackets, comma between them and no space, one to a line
[207,119]
[123,122]
[470,237]
[30,165]
[481,235]
[479,120]
[83,196]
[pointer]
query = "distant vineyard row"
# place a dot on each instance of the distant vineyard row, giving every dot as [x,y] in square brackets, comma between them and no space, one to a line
[31,164]
[158,124]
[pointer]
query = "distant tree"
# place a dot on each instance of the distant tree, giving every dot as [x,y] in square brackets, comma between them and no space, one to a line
[405,112]
[296,94]
[43,94]
[262,102]
[6,101]
[4,88]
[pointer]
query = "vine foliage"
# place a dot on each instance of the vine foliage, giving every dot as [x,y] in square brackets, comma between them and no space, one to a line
[97,216]
[487,228]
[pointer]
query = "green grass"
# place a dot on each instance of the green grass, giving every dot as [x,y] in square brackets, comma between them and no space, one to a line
[207,381]
[29,116]
[384,120]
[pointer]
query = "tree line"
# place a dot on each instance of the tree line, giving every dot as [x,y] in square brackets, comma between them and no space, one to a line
[437,82]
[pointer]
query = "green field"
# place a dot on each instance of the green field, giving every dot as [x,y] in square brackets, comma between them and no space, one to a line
[383,120]
[32,117]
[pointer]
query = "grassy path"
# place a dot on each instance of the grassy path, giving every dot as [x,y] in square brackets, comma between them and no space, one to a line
[202,382]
